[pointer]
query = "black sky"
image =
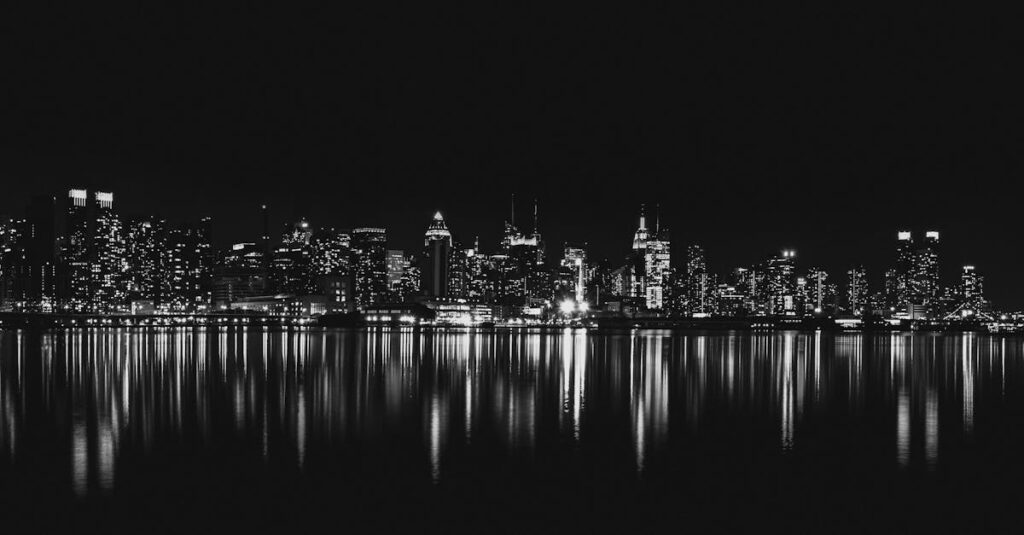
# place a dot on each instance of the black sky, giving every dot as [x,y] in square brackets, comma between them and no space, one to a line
[821,128]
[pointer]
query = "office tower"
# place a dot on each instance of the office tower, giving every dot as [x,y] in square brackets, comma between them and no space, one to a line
[900,286]
[330,252]
[146,245]
[76,249]
[369,253]
[108,284]
[925,285]
[857,291]
[240,273]
[657,256]
[971,286]
[479,269]
[398,263]
[437,256]
[184,273]
[817,296]
[633,273]
[696,283]
[777,277]
[291,270]
[574,267]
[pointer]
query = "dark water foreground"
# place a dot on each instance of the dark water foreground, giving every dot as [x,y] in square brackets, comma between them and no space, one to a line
[351,431]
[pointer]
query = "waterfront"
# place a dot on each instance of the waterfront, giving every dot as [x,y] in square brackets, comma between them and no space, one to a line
[149,429]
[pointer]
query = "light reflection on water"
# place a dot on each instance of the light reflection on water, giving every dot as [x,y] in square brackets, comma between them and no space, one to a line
[288,393]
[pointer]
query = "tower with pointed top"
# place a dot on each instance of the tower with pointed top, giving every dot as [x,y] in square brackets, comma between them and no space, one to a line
[437,255]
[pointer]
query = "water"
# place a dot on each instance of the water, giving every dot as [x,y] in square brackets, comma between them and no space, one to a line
[264,430]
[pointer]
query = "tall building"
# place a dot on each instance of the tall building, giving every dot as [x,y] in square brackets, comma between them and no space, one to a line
[696,285]
[857,292]
[916,275]
[574,265]
[398,263]
[108,281]
[437,257]
[817,294]
[330,252]
[778,280]
[369,253]
[240,273]
[925,285]
[971,286]
[657,260]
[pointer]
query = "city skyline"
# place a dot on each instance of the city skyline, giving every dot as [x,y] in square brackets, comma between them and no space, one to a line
[82,254]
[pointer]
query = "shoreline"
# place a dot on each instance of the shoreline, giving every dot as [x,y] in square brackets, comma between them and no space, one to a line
[15,320]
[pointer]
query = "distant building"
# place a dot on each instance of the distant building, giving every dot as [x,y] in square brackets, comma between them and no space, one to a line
[369,253]
[857,292]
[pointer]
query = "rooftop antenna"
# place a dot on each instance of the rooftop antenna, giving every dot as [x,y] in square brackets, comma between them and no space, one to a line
[513,209]
[535,215]
[657,218]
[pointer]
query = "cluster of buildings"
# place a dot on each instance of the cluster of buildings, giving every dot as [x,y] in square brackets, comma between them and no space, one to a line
[80,254]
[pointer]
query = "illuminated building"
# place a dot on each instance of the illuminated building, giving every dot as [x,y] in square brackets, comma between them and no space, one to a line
[925,278]
[857,291]
[817,294]
[574,265]
[915,280]
[779,296]
[437,257]
[657,256]
[972,287]
[297,234]
[28,259]
[240,274]
[330,253]
[369,254]
[398,264]
[697,285]
[76,249]
[108,284]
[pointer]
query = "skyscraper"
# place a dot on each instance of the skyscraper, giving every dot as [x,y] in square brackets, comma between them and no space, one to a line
[108,284]
[971,287]
[369,252]
[657,260]
[696,283]
[857,291]
[437,256]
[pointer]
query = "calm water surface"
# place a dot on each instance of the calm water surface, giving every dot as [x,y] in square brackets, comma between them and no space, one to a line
[347,430]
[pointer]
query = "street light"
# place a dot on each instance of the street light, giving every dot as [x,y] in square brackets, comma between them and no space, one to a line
[584,306]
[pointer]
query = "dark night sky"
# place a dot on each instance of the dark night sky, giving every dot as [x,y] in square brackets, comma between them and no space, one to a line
[823,128]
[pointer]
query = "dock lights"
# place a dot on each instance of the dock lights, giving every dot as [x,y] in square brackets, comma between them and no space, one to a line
[567,307]
[583,306]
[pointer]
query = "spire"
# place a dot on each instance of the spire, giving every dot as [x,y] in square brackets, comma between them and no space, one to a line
[535,227]
[657,218]
[513,220]
[643,216]
[437,230]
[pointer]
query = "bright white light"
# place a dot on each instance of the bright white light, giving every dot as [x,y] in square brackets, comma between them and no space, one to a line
[931,234]
[817,310]
[584,306]
[567,307]
[903,235]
